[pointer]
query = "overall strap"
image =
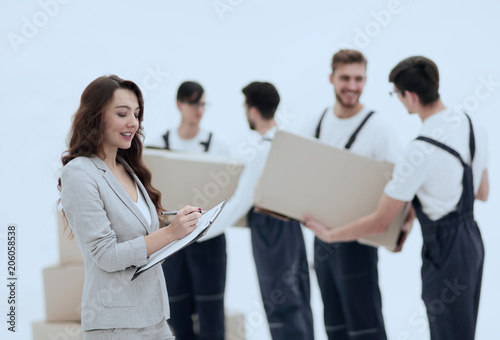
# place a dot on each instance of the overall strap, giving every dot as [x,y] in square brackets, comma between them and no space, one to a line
[206,144]
[472,144]
[318,128]
[355,133]
[472,140]
[165,138]
[444,147]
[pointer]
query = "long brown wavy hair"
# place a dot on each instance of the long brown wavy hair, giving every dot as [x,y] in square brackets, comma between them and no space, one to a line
[87,130]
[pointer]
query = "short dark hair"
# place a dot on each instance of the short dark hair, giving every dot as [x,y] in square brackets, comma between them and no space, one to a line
[419,75]
[346,56]
[190,92]
[263,96]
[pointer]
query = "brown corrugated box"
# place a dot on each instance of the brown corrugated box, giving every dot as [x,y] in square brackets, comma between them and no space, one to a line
[63,285]
[69,330]
[69,251]
[333,186]
[201,180]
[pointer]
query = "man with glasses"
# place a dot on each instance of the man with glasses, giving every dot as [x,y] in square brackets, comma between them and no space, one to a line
[451,172]
[189,136]
[196,275]
[347,272]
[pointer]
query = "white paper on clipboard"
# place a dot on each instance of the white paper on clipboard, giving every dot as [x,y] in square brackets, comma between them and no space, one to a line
[202,227]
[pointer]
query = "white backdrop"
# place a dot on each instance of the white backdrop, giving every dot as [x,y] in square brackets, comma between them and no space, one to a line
[51,49]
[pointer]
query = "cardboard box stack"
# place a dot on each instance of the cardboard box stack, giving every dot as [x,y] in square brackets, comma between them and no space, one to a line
[63,286]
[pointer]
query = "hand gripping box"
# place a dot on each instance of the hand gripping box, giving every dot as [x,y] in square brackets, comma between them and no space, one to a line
[201,180]
[63,285]
[333,186]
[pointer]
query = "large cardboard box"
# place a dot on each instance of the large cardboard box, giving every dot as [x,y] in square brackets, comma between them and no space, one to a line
[57,330]
[69,251]
[200,180]
[63,286]
[334,186]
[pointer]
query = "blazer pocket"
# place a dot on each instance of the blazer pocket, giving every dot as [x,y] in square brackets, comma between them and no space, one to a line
[118,291]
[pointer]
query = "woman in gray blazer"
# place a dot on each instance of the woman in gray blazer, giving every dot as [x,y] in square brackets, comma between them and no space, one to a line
[113,211]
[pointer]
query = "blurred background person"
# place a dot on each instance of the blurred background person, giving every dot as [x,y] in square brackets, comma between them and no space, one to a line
[196,275]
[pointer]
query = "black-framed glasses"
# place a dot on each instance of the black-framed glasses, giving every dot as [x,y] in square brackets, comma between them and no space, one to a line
[395,92]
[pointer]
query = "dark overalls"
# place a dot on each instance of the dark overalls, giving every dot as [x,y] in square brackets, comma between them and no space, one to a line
[196,280]
[280,258]
[347,275]
[452,260]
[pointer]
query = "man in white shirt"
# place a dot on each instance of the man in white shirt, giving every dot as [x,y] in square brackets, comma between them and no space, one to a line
[189,136]
[347,272]
[278,246]
[196,275]
[443,171]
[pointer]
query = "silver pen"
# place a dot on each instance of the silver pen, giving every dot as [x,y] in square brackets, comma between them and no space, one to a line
[174,212]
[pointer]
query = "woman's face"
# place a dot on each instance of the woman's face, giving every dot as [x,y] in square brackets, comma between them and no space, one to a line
[121,121]
[192,112]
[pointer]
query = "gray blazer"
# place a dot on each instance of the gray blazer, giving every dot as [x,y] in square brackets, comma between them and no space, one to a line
[110,230]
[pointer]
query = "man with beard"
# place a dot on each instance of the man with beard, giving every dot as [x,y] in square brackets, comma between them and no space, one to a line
[452,172]
[278,246]
[347,272]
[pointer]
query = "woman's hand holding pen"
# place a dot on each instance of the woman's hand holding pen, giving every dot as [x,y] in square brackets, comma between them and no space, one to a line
[184,222]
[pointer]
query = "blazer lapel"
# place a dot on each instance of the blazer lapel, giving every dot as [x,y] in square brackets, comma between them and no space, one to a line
[119,190]
[142,189]
[151,206]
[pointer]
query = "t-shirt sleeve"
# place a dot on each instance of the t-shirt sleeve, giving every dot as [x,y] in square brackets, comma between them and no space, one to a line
[410,171]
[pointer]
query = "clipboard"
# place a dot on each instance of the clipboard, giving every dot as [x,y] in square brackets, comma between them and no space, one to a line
[204,223]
